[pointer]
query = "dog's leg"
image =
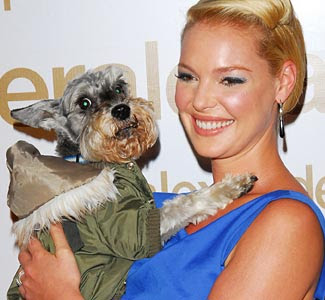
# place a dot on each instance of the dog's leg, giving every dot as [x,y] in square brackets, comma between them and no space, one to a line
[197,206]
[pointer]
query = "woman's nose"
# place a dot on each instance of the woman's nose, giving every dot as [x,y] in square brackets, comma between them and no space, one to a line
[205,96]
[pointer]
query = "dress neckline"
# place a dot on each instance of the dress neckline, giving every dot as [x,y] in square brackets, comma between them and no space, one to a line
[268,194]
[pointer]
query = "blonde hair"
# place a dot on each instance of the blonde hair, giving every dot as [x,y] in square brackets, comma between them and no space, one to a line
[282,37]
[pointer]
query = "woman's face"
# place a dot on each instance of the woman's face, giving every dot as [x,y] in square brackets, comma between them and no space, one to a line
[225,94]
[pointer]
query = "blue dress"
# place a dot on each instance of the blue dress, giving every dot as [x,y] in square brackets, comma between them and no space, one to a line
[175,273]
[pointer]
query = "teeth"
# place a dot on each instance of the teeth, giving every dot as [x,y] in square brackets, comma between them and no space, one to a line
[213,125]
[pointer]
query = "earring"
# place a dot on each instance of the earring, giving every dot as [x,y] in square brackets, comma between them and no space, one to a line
[281,122]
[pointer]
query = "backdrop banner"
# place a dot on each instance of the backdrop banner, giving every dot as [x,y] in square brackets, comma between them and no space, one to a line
[46,43]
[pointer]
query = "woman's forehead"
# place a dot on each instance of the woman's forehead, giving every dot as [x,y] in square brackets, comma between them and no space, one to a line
[224,45]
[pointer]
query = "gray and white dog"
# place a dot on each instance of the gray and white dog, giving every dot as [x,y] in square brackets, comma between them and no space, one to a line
[97,118]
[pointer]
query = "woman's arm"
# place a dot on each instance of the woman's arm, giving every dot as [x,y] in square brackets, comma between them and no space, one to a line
[49,276]
[279,257]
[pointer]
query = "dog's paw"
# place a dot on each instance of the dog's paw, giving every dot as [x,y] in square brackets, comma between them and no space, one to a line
[235,186]
[197,206]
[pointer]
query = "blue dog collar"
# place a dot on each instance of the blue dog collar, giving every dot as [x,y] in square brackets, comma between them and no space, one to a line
[76,158]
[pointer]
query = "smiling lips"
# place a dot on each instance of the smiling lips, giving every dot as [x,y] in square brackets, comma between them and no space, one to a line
[212,125]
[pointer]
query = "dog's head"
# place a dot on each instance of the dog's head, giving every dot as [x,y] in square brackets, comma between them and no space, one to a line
[95,117]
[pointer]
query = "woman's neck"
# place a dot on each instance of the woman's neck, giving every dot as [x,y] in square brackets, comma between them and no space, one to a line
[261,159]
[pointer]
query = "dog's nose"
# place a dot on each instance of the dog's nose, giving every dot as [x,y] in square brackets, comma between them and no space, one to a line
[121,112]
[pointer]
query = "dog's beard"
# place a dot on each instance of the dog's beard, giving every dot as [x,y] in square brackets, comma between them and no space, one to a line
[127,129]
[111,140]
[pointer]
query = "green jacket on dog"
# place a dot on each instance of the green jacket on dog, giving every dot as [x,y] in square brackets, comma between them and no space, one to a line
[108,240]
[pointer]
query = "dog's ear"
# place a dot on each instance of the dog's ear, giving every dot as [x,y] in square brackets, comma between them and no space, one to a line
[42,114]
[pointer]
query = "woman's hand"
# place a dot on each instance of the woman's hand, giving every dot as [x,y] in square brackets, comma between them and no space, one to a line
[49,276]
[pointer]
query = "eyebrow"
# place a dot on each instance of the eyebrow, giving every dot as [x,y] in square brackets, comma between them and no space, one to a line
[231,68]
[219,70]
[182,65]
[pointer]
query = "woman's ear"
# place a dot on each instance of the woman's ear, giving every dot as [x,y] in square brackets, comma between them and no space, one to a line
[287,80]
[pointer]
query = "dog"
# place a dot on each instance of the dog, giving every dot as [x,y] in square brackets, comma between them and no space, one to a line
[96,120]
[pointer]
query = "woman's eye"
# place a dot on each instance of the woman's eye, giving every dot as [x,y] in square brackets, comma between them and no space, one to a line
[229,81]
[84,103]
[185,76]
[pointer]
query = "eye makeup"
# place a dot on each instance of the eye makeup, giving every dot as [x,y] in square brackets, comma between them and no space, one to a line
[184,76]
[232,80]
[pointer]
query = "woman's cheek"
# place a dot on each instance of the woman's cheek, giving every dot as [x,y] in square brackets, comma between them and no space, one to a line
[237,104]
[182,96]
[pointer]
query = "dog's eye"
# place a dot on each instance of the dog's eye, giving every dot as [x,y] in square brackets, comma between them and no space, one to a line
[84,103]
[118,90]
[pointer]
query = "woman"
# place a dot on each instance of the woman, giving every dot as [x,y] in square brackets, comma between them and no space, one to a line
[242,66]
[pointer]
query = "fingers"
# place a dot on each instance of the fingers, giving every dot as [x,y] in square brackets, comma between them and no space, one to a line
[19,280]
[22,291]
[59,238]
[24,256]
[35,247]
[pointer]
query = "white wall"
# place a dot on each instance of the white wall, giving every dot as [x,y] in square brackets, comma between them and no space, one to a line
[38,37]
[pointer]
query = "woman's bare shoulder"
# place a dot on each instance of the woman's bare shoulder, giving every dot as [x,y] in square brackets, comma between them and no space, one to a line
[280,254]
[289,212]
[288,222]
[285,216]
